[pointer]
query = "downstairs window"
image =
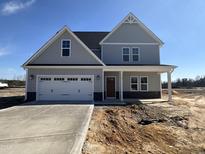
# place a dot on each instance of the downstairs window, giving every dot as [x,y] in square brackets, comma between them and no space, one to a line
[134,83]
[143,83]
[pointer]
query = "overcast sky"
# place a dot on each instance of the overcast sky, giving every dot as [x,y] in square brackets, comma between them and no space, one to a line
[25,25]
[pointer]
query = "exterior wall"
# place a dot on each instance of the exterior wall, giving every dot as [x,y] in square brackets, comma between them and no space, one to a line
[130,33]
[154,85]
[149,54]
[31,87]
[52,55]
[154,82]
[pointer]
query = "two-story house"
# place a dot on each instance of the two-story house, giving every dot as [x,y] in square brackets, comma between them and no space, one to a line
[96,66]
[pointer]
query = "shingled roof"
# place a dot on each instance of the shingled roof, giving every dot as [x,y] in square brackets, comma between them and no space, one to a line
[91,39]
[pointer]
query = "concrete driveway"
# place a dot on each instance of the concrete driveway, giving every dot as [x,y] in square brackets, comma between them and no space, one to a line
[44,129]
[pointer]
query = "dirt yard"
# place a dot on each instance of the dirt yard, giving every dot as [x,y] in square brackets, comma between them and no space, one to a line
[11,96]
[156,128]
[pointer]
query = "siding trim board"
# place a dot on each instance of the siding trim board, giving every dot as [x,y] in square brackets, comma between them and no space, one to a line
[116,43]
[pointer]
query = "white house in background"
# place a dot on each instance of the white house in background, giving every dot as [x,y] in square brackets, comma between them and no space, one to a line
[96,66]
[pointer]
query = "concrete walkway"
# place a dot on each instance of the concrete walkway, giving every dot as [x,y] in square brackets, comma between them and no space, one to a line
[44,129]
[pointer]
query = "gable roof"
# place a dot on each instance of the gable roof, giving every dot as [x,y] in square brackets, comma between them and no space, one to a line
[91,39]
[131,18]
[55,37]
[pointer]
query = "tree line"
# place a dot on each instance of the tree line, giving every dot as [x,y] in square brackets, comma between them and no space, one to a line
[199,81]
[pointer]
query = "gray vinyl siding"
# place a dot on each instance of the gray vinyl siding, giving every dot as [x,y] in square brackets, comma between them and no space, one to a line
[154,80]
[130,33]
[149,54]
[31,87]
[52,55]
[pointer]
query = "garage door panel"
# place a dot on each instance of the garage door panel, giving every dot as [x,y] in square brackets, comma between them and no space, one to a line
[65,88]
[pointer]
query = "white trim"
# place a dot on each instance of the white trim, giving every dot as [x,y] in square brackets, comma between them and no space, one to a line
[106,87]
[115,43]
[135,54]
[144,83]
[125,54]
[69,67]
[52,76]
[55,37]
[134,83]
[121,87]
[65,48]
[102,52]
[160,85]
[169,83]
[26,87]
[103,85]
[37,92]
[139,23]
[159,69]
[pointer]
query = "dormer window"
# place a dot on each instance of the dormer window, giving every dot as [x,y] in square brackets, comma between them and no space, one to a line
[66,47]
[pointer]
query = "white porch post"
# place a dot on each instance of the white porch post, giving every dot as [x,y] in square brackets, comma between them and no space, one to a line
[121,86]
[103,85]
[169,86]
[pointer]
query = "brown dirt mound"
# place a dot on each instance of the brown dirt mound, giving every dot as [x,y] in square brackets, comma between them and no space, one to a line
[174,92]
[118,130]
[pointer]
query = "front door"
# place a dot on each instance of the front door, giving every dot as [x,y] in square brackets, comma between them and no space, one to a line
[110,87]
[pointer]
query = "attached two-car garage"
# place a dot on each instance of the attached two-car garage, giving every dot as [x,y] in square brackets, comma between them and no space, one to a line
[65,87]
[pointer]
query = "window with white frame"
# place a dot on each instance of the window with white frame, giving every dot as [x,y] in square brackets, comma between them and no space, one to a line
[126,54]
[66,47]
[135,54]
[134,83]
[143,83]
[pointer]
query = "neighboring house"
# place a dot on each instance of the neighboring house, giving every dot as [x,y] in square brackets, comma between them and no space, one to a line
[96,66]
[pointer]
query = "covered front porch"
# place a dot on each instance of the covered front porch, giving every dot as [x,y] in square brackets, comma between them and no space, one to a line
[125,83]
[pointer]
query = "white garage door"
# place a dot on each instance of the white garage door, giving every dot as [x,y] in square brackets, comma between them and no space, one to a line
[65,88]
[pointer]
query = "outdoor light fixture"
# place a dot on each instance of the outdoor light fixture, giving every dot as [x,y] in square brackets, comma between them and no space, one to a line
[98,77]
[31,77]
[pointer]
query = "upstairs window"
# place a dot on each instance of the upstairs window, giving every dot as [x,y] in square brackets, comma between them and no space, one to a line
[135,54]
[144,83]
[65,47]
[126,54]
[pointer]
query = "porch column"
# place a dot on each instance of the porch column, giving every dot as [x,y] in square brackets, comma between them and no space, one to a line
[121,86]
[103,85]
[169,86]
